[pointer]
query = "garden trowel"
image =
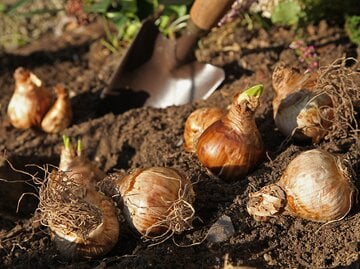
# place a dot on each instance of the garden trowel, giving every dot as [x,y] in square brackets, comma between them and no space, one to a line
[166,69]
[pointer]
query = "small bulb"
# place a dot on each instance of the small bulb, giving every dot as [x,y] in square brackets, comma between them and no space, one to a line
[30,100]
[197,122]
[59,115]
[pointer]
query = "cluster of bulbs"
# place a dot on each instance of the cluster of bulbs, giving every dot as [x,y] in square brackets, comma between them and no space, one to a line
[157,201]
[32,105]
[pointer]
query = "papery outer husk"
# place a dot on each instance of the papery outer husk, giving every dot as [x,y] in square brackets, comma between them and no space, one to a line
[299,116]
[268,202]
[30,100]
[227,154]
[317,187]
[286,80]
[59,115]
[71,240]
[232,146]
[197,122]
[79,168]
[297,104]
[149,194]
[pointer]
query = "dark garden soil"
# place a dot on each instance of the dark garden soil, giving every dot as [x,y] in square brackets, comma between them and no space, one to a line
[119,134]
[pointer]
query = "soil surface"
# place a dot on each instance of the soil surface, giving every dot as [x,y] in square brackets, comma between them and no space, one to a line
[120,134]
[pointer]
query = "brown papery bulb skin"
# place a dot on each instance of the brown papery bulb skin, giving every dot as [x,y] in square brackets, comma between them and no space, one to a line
[232,146]
[60,114]
[317,188]
[30,100]
[79,168]
[151,197]
[197,122]
[299,111]
[75,239]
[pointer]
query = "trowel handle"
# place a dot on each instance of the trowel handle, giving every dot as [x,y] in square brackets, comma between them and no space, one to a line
[204,14]
[207,13]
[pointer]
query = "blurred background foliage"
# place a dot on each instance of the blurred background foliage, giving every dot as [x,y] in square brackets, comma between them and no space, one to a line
[22,21]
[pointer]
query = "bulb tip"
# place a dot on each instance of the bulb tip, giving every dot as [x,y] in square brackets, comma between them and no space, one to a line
[21,74]
[66,141]
[79,147]
[254,91]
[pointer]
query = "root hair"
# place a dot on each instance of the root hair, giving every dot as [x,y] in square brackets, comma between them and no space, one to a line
[341,83]
[62,206]
[177,219]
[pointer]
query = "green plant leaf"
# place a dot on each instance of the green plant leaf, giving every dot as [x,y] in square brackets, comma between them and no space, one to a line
[255,91]
[66,141]
[352,27]
[129,6]
[98,7]
[287,13]
[171,15]
[178,10]
[17,4]
[2,7]
[163,22]
[131,30]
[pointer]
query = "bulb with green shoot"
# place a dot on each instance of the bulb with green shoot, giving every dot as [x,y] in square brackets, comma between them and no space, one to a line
[232,146]
[77,165]
[83,222]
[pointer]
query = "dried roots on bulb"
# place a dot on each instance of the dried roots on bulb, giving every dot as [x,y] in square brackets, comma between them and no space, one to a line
[316,105]
[197,122]
[315,186]
[157,201]
[82,221]
[30,100]
[232,147]
[59,115]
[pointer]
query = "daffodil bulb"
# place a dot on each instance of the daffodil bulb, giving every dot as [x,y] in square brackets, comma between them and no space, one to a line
[232,146]
[30,100]
[157,201]
[300,110]
[315,186]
